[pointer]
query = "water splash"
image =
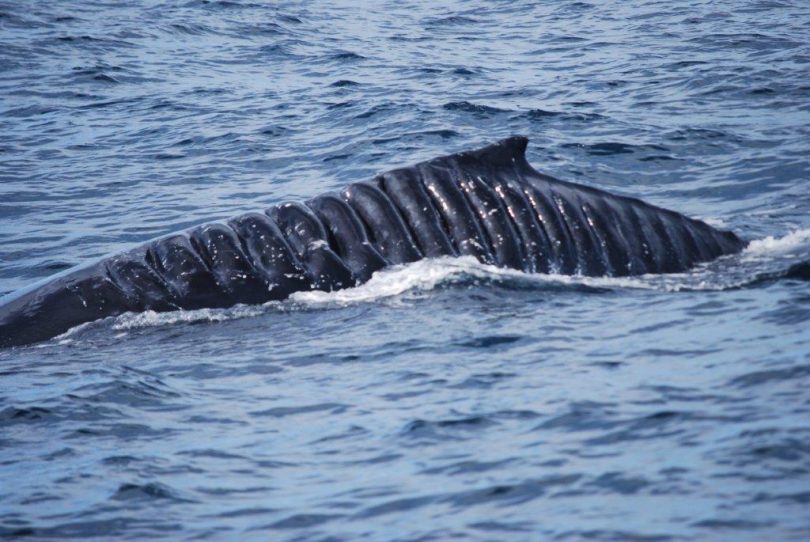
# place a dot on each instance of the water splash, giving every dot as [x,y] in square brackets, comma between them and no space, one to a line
[795,243]
[767,258]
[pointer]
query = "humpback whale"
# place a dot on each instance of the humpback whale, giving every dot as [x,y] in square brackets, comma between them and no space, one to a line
[487,203]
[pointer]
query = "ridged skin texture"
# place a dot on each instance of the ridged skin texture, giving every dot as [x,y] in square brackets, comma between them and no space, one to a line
[488,203]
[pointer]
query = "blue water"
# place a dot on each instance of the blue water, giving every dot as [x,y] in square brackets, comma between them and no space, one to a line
[445,400]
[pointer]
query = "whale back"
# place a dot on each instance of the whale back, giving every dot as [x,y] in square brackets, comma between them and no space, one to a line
[487,203]
[557,225]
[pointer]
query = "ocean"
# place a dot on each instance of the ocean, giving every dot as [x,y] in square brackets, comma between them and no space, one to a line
[443,400]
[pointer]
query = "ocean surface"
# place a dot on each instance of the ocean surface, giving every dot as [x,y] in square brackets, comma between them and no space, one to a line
[444,400]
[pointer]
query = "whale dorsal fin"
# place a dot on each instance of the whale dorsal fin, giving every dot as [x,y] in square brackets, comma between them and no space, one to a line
[506,152]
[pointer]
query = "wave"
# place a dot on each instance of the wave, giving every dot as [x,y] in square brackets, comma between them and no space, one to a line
[795,242]
[766,259]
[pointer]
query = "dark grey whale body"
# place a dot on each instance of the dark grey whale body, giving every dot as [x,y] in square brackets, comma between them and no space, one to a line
[488,203]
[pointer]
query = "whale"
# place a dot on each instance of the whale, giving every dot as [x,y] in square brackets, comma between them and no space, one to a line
[488,203]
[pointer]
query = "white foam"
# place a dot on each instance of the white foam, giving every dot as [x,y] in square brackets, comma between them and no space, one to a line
[422,275]
[398,283]
[394,284]
[427,274]
[67,336]
[135,320]
[778,246]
